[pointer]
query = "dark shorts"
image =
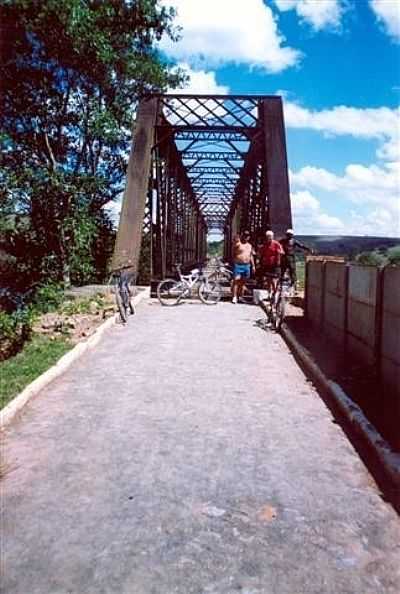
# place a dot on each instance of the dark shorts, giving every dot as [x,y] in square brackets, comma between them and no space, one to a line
[271,270]
[242,270]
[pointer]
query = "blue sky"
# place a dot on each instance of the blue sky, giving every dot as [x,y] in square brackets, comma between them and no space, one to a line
[337,65]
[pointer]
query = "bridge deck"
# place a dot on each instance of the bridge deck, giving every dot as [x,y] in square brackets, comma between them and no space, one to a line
[187,453]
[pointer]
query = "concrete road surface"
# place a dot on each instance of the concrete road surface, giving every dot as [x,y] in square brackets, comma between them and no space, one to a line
[188,454]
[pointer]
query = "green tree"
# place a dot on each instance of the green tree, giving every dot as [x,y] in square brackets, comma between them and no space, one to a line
[393,255]
[72,72]
[373,258]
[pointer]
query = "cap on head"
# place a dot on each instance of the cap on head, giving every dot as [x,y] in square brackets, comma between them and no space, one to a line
[289,232]
[269,234]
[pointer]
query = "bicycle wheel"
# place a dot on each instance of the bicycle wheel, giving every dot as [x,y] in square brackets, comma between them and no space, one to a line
[122,306]
[210,292]
[280,312]
[171,291]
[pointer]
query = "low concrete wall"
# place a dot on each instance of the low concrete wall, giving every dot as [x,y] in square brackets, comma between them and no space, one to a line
[361,312]
[390,345]
[335,302]
[315,291]
[358,308]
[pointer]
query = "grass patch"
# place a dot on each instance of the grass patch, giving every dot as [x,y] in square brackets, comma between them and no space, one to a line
[300,271]
[37,356]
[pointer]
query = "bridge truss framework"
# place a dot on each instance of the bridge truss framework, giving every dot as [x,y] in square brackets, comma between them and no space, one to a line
[201,164]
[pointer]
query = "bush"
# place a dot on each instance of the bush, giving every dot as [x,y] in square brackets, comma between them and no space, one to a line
[371,258]
[15,329]
[48,297]
[393,255]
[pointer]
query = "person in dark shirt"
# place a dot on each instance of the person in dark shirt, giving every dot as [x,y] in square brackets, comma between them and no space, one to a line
[289,245]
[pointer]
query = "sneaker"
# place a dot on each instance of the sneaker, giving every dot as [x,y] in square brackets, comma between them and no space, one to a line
[234,300]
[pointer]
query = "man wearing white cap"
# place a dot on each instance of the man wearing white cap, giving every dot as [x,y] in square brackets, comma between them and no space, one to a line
[271,254]
[289,245]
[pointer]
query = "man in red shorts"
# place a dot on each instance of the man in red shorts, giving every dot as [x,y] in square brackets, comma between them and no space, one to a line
[270,256]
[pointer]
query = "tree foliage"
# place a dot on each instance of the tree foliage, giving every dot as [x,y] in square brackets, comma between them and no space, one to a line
[72,72]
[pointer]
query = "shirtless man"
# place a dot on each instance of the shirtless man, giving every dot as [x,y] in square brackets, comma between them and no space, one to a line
[243,263]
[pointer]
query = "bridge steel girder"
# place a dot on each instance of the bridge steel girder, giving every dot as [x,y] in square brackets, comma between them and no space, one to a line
[262,195]
[175,193]
[129,235]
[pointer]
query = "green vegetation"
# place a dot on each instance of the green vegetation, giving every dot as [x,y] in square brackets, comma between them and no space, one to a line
[72,72]
[215,248]
[15,330]
[82,306]
[393,255]
[35,358]
[300,271]
[380,258]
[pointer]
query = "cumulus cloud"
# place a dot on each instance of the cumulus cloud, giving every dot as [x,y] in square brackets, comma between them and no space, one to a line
[380,123]
[217,32]
[376,191]
[201,82]
[320,14]
[309,218]
[360,184]
[388,14]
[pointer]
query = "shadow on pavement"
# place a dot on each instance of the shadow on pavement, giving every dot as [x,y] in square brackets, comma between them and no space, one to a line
[362,384]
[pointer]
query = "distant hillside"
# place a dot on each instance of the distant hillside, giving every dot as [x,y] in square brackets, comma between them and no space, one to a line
[330,245]
[347,245]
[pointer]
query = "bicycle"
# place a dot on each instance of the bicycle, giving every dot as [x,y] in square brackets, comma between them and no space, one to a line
[221,272]
[121,279]
[172,292]
[275,304]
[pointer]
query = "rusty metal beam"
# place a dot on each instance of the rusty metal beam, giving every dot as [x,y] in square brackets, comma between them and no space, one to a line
[277,179]
[129,235]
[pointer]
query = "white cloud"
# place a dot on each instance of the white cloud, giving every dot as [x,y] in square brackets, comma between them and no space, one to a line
[380,123]
[388,13]
[320,14]
[201,82]
[222,31]
[376,191]
[379,222]
[360,184]
[309,218]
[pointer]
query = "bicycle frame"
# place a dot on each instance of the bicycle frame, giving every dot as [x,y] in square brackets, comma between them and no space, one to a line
[192,279]
[123,292]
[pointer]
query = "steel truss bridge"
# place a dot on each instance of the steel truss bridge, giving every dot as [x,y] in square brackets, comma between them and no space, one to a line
[201,164]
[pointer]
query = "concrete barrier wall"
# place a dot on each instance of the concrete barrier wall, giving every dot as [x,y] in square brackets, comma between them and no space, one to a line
[334,301]
[390,344]
[358,309]
[361,312]
[314,292]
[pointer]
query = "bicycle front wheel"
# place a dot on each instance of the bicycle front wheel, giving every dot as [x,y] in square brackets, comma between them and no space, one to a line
[210,292]
[170,291]
[280,313]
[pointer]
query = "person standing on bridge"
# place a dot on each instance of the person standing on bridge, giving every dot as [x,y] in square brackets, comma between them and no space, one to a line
[289,245]
[270,256]
[243,264]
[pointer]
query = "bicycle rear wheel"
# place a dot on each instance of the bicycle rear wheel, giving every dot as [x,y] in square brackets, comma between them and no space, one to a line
[210,292]
[122,306]
[171,291]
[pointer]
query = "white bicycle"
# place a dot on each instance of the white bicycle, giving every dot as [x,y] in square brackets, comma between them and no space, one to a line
[220,271]
[172,292]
